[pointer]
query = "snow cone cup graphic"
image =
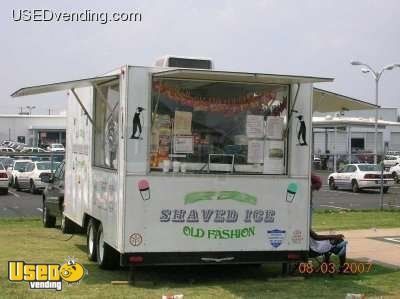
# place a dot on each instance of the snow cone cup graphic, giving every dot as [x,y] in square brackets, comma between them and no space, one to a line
[291,192]
[144,189]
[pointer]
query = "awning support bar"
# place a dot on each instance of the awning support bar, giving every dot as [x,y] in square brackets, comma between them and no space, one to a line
[102,96]
[82,106]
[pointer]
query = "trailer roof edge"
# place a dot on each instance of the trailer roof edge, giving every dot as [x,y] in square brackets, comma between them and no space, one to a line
[197,74]
[59,86]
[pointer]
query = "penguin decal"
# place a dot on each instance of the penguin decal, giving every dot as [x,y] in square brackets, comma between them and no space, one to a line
[137,125]
[302,130]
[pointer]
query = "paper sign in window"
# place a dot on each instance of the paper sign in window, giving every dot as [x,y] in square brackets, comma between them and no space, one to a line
[183,123]
[183,144]
[255,152]
[273,157]
[274,127]
[255,126]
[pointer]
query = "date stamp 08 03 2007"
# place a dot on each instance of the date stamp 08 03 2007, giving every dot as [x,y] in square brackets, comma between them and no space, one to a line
[331,268]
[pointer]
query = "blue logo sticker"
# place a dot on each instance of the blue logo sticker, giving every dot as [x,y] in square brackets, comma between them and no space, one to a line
[276,236]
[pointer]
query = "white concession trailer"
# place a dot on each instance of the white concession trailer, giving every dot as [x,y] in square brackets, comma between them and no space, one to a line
[169,165]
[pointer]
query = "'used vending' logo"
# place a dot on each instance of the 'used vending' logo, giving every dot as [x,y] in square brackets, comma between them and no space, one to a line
[46,276]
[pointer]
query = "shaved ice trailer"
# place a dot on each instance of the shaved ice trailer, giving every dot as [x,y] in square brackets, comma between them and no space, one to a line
[179,165]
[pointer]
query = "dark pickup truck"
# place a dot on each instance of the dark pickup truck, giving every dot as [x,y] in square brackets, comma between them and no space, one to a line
[53,196]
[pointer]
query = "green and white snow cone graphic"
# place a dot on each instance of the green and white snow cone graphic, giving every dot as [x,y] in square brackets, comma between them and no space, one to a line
[221,195]
[291,192]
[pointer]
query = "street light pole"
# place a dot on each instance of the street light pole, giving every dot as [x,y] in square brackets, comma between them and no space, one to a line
[376,119]
[377,76]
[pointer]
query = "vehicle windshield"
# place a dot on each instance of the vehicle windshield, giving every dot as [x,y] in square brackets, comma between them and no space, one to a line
[57,146]
[370,167]
[46,165]
[20,165]
[1,166]
[6,162]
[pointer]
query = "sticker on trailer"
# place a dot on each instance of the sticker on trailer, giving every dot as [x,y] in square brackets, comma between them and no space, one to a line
[276,237]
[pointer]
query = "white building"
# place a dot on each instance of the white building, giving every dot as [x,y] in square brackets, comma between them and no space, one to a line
[33,130]
[349,139]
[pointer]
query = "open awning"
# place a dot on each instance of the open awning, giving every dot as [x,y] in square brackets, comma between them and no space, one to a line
[327,101]
[52,87]
[67,85]
[223,76]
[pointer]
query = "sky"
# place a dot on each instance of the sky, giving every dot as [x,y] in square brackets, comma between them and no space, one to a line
[314,37]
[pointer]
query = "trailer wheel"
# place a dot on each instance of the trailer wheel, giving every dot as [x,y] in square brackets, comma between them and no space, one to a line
[67,226]
[91,243]
[107,257]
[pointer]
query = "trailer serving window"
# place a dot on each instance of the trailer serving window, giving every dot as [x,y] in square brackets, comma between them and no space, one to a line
[105,131]
[205,126]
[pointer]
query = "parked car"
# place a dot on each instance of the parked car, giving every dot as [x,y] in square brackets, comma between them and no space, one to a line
[56,147]
[53,196]
[391,160]
[395,171]
[360,176]
[393,153]
[31,177]
[15,170]
[3,180]
[6,149]
[5,143]
[6,161]
[316,162]
[33,150]
[17,146]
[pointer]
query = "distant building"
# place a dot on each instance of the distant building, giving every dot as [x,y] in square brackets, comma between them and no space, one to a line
[33,130]
[389,132]
[346,139]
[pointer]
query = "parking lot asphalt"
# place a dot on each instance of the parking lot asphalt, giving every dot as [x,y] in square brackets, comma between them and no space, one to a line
[20,204]
[346,199]
[25,204]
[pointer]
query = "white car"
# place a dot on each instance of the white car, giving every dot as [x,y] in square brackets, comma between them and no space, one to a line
[56,147]
[31,177]
[33,150]
[3,180]
[393,153]
[6,143]
[15,170]
[360,176]
[6,149]
[395,171]
[391,160]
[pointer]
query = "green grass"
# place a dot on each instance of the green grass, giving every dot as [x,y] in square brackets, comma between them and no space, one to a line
[340,220]
[25,239]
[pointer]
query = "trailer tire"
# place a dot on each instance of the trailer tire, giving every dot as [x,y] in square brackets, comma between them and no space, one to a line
[67,225]
[107,257]
[91,240]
